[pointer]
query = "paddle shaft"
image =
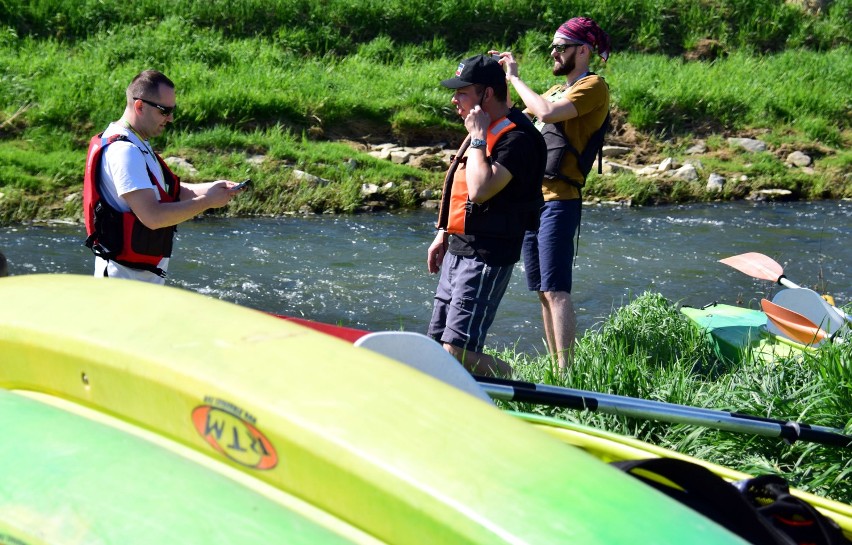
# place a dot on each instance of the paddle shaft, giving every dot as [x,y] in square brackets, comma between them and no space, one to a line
[786,282]
[527,392]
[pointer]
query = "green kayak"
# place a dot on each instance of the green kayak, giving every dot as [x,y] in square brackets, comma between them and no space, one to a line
[72,476]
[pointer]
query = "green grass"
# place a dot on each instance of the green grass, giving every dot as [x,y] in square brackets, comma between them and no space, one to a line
[246,82]
[648,350]
[667,96]
[243,96]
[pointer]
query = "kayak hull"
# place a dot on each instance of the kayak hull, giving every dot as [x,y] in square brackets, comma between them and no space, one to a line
[81,475]
[737,333]
[399,456]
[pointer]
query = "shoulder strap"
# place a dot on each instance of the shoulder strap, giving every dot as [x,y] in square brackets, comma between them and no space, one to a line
[105,141]
[169,178]
[444,210]
[496,131]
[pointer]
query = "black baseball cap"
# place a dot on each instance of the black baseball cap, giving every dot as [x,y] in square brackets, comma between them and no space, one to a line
[481,69]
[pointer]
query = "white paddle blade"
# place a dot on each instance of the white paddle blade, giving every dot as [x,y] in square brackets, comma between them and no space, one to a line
[809,304]
[424,354]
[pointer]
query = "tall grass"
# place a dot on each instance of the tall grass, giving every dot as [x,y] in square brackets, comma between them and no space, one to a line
[740,91]
[648,350]
[246,82]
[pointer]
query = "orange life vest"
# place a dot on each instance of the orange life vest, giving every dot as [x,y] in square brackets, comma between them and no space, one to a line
[461,216]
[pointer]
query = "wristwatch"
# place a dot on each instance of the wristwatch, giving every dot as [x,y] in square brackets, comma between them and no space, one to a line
[477,143]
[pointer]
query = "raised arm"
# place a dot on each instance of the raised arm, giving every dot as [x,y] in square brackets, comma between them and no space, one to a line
[538,106]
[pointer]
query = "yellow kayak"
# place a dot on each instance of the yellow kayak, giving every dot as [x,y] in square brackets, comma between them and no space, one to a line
[397,456]
[71,475]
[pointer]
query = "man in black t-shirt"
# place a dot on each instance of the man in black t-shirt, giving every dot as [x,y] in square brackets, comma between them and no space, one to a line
[492,196]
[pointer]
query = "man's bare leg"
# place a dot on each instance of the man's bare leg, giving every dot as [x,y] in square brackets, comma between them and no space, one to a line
[479,363]
[547,320]
[560,325]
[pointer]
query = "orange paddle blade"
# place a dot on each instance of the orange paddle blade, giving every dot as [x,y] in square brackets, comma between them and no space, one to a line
[793,324]
[756,265]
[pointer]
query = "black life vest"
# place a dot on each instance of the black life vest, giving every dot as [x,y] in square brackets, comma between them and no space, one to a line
[120,236]
[558,144]
[461,216]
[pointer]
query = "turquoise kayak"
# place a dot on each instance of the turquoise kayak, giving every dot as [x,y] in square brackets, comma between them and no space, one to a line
[738,332]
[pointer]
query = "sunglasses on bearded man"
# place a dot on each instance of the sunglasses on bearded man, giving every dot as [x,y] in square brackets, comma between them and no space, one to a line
[562,47]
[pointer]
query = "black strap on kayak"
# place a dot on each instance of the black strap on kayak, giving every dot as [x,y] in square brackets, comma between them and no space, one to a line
[759,510]
[770,495]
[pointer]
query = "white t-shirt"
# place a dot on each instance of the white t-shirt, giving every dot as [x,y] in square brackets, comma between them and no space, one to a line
[123,169]
[111,269]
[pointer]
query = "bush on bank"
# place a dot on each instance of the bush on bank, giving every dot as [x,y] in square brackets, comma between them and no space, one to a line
[309,27]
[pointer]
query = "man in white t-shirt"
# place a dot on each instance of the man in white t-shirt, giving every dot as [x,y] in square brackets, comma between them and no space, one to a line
[132,200]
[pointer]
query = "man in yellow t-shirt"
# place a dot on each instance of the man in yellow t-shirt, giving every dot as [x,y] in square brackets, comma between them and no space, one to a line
[570,115]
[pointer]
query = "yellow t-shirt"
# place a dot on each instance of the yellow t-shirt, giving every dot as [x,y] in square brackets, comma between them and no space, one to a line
[590,96]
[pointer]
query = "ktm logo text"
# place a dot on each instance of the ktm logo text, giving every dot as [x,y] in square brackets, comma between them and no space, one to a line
[234,437]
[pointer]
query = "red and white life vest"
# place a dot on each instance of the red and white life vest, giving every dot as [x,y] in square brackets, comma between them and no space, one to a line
[120,236]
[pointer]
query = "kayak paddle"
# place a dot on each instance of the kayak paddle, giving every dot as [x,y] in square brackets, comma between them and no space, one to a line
[759,266]
[792,324]
[813,307]
[528,392]
[765,268]
[413,345]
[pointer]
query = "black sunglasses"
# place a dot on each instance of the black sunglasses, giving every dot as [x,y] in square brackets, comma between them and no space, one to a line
[165,110]
[562,47]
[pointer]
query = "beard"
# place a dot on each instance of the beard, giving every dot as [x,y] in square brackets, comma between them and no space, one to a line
[563,69]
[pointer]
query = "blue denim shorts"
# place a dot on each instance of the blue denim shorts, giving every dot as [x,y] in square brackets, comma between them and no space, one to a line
[549,252]
[469,292]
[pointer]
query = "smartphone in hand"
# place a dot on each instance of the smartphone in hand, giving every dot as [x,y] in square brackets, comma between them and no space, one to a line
[241,185]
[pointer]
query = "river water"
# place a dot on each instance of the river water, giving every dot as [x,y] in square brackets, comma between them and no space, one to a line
[369,271]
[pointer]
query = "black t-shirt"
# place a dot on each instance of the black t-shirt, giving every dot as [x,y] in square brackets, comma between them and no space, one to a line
[522,152]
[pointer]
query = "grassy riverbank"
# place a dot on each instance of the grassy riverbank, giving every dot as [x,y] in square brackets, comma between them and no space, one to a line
[648,350]
[288,97]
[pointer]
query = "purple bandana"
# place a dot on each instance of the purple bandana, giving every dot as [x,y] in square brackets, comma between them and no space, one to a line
[585,31]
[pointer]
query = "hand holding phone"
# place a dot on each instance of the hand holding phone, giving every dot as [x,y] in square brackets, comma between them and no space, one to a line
[241,185]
